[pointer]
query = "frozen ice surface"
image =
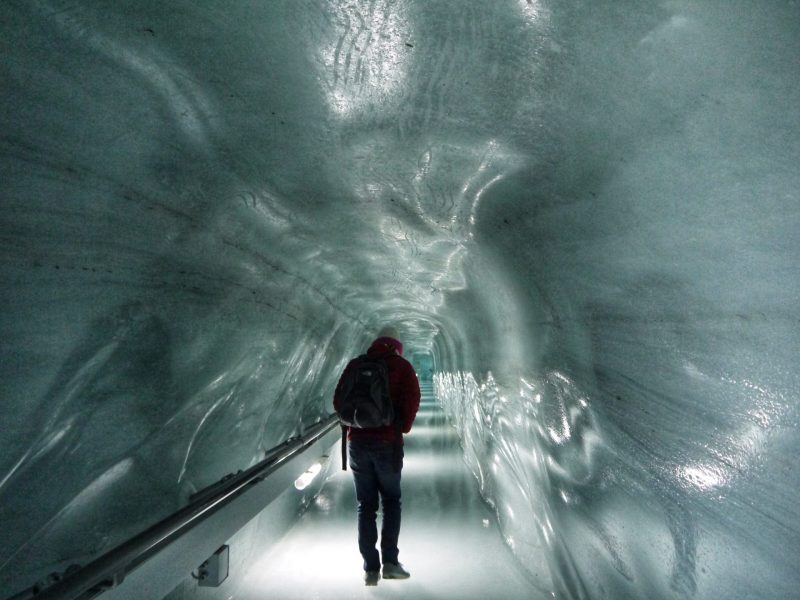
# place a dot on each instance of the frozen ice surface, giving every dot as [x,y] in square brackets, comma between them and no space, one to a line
[584,217]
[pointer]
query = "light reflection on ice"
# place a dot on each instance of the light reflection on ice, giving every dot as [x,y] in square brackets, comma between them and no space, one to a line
[531,10]
[511,432]
[537,459]
[367,64]
[703,477]
[99,485]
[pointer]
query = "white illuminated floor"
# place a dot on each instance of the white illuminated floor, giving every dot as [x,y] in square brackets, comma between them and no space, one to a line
[449,540]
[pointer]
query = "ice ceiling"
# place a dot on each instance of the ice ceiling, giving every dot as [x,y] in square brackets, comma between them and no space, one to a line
[587,213]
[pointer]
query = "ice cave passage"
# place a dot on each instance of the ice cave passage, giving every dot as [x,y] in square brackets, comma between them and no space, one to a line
[584,218]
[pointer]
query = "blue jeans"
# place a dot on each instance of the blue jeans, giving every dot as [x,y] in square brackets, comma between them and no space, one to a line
[376,471]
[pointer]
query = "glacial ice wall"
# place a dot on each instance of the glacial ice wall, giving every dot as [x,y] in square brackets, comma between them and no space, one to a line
[587,213]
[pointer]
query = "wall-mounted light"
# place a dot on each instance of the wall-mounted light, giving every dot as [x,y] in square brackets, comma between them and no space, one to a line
[306,478]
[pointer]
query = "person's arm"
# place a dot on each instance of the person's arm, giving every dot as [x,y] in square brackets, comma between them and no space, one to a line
[410,396]
[337,394]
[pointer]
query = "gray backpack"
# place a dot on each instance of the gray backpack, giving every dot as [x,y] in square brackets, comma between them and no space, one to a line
[365,401]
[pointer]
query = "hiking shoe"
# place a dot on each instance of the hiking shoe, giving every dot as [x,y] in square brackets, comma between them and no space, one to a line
[395,571]
[371,577]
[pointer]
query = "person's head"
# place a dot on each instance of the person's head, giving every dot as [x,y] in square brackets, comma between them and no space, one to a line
[389,336]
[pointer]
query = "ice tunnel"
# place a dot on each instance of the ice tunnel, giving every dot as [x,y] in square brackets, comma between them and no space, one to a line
[584,217]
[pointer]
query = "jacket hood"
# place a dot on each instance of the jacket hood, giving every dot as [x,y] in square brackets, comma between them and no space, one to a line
[383,345]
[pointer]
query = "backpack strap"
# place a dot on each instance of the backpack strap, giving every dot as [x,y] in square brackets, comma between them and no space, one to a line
[344,447]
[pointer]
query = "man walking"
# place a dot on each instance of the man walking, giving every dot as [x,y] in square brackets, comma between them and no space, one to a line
[376,458]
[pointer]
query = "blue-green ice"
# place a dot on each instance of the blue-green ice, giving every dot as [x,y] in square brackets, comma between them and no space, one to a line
[584,218]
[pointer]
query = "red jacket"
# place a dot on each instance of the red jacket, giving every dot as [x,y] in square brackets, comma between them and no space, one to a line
[403,389]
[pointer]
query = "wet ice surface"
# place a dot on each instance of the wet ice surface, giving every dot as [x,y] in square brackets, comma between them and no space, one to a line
[206,211]
[587,523]
[449,539]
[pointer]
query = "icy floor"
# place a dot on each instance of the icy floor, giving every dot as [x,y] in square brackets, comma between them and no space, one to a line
[449,539]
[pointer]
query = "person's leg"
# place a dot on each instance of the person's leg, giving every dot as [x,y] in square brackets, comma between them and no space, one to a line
[366,484]
[388,470]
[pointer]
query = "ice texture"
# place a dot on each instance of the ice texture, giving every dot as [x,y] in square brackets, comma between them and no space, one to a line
[583,217]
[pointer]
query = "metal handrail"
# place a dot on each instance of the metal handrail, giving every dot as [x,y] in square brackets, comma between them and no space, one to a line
[110,569]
